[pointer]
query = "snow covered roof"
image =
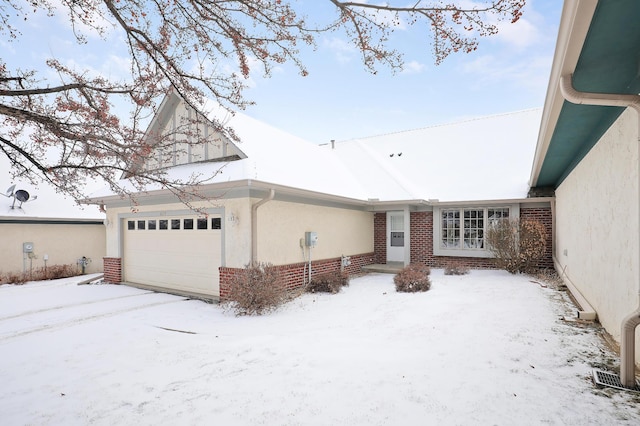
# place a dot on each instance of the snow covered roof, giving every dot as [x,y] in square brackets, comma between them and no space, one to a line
[48,205]
[278,157]
[486,158]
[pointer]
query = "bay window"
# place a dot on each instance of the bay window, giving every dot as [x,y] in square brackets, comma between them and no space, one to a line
[460,231]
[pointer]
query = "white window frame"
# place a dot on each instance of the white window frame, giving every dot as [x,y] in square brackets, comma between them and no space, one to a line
[439,250]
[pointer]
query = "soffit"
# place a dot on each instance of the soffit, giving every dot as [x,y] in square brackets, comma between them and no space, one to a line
[608,63]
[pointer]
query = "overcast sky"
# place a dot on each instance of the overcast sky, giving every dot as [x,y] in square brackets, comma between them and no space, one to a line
[340,99]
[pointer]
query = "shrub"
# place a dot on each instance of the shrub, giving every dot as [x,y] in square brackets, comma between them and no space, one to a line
[517,245]
[330,282]
[52,272]
[256,290]
[413,278]
[455,268]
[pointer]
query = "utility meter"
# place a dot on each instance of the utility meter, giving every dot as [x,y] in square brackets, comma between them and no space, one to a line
[27,247]
[310,239]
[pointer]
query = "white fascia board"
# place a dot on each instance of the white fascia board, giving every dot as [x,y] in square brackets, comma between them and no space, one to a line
[574,25]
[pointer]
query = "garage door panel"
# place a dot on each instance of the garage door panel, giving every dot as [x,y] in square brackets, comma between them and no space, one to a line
[175,259]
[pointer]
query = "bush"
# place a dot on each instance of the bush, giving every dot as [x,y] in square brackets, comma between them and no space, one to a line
[52,272]
[256,290]
[455,268]
[413,278]
[330,282]
[517,245]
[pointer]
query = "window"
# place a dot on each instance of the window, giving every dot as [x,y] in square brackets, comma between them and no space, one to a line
[202,223]
[187,224]
[450,228]
[473,228]
[175,223]
[460,231]
[141,224]
[216,223]
[164,224]
[131,224]
[151,224]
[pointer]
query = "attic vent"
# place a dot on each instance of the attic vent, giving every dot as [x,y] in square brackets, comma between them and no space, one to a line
[603,378]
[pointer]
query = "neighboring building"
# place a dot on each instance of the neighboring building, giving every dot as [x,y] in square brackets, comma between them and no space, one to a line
[49,230]
[587,152]
[273,189]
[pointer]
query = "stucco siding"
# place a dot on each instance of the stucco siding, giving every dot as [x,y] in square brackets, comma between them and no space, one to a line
[281,225]
[597,225]
[63,244]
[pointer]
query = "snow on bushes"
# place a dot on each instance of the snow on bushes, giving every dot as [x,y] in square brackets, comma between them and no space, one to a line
[413,278]
[256,290]
[330,282]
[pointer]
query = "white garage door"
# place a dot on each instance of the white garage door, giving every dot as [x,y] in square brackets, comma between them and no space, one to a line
[180,253]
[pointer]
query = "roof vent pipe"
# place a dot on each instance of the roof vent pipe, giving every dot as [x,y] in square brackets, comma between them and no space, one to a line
[631,321]
[333,144]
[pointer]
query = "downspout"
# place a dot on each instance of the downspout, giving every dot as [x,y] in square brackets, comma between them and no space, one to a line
[254,224]
[631,321]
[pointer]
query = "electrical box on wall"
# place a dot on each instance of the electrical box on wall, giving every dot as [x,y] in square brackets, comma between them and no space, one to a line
[27,247]
[310,239]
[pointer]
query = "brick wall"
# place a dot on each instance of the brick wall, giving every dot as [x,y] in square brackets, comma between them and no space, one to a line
[112,269]
[295,274]
[542,214]
[380,237]
[421,230]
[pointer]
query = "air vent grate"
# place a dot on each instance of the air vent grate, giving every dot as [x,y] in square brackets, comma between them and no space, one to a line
[611,380]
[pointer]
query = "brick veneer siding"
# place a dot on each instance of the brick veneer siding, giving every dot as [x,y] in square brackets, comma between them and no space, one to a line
[542,214]
[112,269]
[295,274]
[380,237]
[421,235]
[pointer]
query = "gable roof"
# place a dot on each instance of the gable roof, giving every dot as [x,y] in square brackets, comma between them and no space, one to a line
[598,42]
[486,158]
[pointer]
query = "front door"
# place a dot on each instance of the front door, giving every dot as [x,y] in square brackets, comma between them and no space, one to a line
[395,237]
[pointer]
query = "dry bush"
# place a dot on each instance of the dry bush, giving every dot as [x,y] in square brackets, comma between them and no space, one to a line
[455,267]
[256,290]
[52,272]
[330,282]
[517,245]
[14,278]
[413,278]
[55,272]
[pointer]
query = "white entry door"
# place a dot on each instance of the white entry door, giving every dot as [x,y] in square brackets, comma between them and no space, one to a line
[395,237]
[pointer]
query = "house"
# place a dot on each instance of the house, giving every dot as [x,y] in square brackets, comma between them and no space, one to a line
[46,229]
[418,196]
[587,152]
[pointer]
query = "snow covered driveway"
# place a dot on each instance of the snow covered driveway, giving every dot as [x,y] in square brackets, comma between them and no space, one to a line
[486,348]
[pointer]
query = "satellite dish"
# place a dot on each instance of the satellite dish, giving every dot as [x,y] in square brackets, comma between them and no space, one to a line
[22,195]
[19,195]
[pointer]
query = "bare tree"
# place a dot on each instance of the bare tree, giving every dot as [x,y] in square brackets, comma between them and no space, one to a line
[65,130]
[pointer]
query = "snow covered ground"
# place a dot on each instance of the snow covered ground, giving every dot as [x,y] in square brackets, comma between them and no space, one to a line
[486,348]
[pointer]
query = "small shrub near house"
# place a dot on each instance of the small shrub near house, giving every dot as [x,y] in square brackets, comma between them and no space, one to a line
[455,267]
[517,245]
[52,272]
[330,282]
[413,278]
[258,289]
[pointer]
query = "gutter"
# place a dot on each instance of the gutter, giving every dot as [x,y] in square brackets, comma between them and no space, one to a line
[254,224]
[632,320]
